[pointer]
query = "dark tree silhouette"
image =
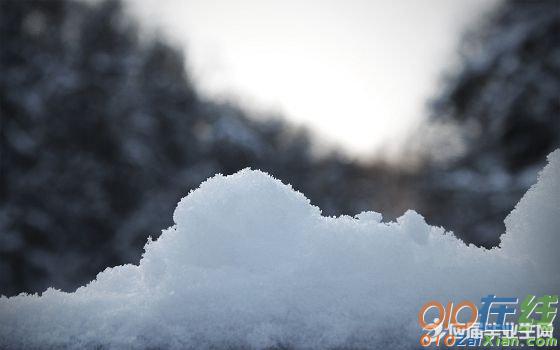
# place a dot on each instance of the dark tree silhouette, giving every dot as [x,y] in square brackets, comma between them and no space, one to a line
[103,133]
[505,100]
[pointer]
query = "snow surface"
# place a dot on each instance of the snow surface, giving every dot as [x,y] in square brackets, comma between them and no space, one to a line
[251,263]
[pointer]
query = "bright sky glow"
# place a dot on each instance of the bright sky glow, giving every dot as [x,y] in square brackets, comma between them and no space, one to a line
[358,72]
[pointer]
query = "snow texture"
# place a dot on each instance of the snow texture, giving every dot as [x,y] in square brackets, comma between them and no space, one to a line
[250,263]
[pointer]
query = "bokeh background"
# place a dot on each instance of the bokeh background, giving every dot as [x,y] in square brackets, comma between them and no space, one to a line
[106,123]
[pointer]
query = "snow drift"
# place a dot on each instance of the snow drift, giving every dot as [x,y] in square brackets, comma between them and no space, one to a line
[251,263]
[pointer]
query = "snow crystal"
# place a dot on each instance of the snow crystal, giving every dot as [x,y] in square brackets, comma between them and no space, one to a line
[251,263]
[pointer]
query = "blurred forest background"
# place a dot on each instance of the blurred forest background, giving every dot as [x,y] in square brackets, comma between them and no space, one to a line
[103,132]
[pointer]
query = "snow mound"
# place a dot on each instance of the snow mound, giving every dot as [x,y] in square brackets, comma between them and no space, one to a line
[250,263]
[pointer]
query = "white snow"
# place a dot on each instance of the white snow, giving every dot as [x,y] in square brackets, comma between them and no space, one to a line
[251,263]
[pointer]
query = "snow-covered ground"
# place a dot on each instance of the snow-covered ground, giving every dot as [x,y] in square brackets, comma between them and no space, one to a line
[251,263]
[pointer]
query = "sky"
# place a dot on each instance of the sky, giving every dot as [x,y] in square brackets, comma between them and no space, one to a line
[356,72]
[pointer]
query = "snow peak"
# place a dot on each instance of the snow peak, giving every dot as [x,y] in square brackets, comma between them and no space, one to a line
[490,325]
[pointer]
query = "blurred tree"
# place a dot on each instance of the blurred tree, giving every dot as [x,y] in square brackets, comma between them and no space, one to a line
[505,102]
[102,133]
